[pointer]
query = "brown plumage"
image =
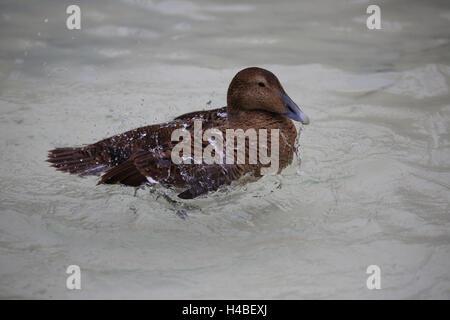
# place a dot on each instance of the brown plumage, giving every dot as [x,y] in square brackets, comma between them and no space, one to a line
[255,100]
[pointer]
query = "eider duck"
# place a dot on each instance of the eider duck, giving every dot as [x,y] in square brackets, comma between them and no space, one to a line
[255,100]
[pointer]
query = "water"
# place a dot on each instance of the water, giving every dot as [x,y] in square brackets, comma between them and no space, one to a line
[372,188]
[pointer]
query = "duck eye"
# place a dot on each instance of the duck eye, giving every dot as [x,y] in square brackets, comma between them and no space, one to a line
[261,84]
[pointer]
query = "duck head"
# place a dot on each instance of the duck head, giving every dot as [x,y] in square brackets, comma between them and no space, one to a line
[259,89]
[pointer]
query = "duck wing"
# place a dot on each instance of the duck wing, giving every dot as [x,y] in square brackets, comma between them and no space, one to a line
[143,166]
[111,152]
[157,167]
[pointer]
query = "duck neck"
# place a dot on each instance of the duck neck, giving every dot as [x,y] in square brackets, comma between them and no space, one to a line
[234,114]
[238,114]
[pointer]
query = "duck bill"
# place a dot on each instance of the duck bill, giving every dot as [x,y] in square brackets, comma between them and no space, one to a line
[293,111]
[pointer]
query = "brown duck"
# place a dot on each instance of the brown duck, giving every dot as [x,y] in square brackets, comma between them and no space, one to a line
[255,99]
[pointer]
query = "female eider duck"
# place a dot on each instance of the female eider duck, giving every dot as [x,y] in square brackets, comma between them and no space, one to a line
[255,100]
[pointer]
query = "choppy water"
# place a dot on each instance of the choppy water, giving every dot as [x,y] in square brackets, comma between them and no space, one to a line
[373,186]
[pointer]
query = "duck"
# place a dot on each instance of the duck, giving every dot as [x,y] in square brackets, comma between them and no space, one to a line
[256,101]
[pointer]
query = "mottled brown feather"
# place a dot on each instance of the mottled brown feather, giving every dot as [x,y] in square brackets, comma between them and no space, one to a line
[144,154]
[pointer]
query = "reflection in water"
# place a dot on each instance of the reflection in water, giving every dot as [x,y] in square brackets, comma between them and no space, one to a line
[372,188]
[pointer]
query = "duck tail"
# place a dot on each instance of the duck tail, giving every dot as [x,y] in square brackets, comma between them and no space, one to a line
[75,161]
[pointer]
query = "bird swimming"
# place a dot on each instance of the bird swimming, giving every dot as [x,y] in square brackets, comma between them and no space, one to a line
[256,101]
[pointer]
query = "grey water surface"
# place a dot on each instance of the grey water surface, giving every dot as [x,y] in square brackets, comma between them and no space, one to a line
[372,187]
